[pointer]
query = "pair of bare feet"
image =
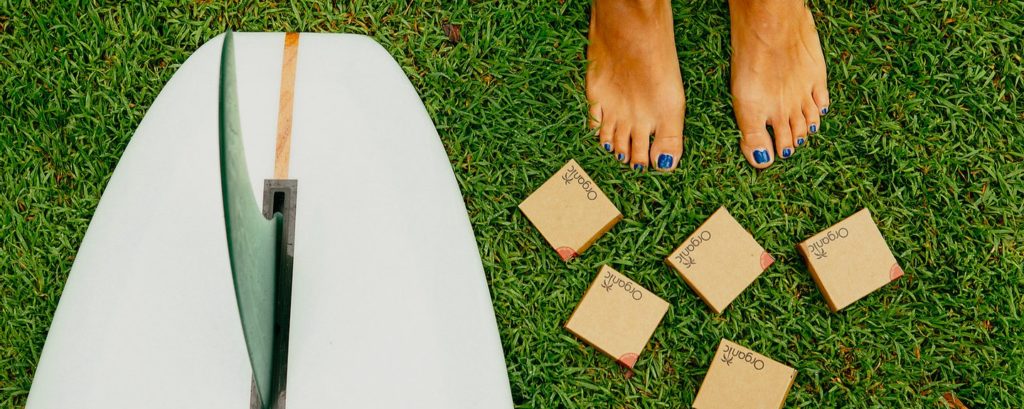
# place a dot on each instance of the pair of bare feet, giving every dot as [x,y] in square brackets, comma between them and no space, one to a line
[636,93]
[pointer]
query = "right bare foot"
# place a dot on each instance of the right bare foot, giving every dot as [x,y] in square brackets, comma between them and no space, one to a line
[634,85]
[778,77]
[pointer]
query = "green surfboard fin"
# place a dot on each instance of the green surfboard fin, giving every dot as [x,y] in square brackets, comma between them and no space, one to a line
[252,238]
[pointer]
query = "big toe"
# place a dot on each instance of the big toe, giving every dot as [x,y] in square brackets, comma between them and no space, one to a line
[667,148]
[757,148]
[755,142]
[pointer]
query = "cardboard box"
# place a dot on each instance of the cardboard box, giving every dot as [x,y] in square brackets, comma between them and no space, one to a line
[570,211]
[720,260]
[850,260]
[741,378]
[617,316]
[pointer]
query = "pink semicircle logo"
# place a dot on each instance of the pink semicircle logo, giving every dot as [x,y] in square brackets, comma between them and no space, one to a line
[628,359]
[766,260]
[567,253]
[895,272]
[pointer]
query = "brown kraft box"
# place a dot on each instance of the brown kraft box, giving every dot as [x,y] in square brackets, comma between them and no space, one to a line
[850,260]
[617,316]
[741,378]
[719,260]
[570,211]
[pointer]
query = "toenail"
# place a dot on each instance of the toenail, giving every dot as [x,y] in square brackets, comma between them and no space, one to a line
[608,146]
[800,141]
[621,157]
[814,128]
[786,152]
[761,156]
[824,110]
[638,166]
[665,161]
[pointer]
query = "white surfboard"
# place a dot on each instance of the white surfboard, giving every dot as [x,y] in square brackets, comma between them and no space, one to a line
[390,306]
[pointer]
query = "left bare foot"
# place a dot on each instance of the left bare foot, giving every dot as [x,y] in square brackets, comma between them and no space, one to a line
[778,77]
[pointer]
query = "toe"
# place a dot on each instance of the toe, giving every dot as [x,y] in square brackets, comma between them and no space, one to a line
[783,137]
[798,125]
[641,147]
[606,133]
[603,138]
[757,148]
[595,117]
[755,142]
[813,119]
[667,148]
[820,95]
[621,141]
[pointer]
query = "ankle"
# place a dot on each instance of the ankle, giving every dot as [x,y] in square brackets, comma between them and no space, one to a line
[763,8]
[768,20]
[633,7]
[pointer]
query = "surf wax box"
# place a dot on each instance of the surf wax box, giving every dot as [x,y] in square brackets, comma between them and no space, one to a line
[617,316]
[850,260]
[741,378]
[570,211]
[719,260]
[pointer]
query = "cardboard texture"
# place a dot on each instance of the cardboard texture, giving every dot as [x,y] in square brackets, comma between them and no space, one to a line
[719,260]
[570,211]
[741,378]
[850,260]
[617,316]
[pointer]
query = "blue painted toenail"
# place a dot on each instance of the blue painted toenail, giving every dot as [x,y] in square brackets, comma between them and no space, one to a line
[665,161]
[814,128]
[638,166]
[786,152]
[800,141]
[824,110]
[761,156]
[608,147]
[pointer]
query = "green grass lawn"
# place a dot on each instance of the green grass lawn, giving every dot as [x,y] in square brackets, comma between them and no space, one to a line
[926,129]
